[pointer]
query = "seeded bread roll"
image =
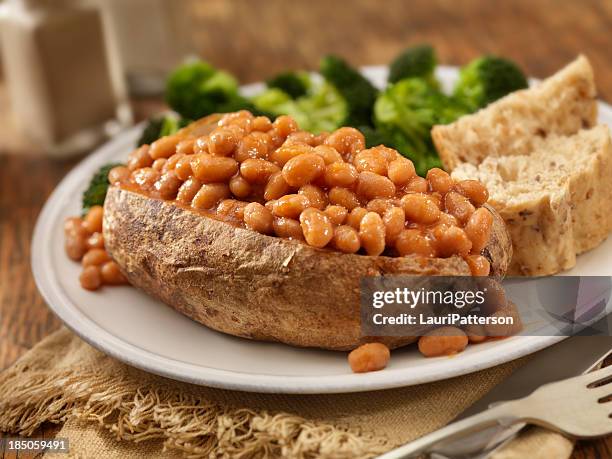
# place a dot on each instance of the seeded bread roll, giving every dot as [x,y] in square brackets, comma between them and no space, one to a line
[516,124]
[556,201]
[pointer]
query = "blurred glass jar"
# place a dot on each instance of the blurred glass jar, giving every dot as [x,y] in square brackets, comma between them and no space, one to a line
[65,82]
[149,35]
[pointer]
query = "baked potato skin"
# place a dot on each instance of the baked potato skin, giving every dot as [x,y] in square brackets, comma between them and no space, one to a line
[247,284]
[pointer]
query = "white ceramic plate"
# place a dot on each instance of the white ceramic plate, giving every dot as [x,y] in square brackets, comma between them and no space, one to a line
[147,334]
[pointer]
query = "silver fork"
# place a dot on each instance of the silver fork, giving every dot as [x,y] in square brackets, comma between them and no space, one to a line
[579,407]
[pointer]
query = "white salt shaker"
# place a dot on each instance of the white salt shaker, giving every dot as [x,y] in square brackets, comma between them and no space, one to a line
[65,84]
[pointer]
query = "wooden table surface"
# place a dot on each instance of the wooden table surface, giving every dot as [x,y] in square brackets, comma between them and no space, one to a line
[254,39]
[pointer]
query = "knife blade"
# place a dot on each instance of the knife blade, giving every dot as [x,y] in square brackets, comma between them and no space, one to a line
[570,357]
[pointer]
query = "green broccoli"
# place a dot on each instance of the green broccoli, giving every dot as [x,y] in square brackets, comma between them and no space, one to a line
[416,62]
[321,109]
[356,90]
[157,127]
[486,79]
[197,89]
[151,131]
[296,84]
[405,114]
[374,136]
[95,193]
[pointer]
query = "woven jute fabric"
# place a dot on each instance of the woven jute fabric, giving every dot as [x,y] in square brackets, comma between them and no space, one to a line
[109,409]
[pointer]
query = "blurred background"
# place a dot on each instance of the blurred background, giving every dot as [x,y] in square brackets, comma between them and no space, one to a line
[70,67]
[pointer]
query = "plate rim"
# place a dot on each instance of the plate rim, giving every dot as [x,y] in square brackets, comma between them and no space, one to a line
[58,301]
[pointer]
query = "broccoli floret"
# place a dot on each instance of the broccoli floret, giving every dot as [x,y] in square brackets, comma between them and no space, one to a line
[197,89]
[95,193]
[374,136]
[274,101]
[321,109]
[160,126]
[296,84]
[151,131]
[486,79]
[416,62]
[356,90]
[405,114]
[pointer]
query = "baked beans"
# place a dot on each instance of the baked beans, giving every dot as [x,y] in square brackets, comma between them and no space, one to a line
[439,180]
[443,341]
[343,197]
[290,205]
[419,208]
[119,174]
[416,185]
[95,257]
[315,195]
[355,216]
[239,186]
[168,185]
[478,228]
[232,209]
[346,239]
[93,220]
[185,147]
[288,228]
[88,247]
[371,186]
[254,145]
[222,141]
[209,195]
[479,265]
[285,125]
[182,168]
[394,219]
[258,218]
[370,160]
[276,187]
[91,278]
[401,171]
[210,169]
[329,154]
[411,241]
[303,169]
[347,141]
[369,357]
[340,174]
[111,274]
[458,206]
[337,214]
[164,147]
[452,240]
[158,164]
[95,241]
[255,170]
[326,190]
[139,158]
[372,233]
[317,227]
[473,190]
[145,178]
[188,190]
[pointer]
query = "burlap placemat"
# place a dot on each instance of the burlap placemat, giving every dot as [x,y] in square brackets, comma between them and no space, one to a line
[112,410]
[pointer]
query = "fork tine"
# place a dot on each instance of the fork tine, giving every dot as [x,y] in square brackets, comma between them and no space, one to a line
[600,377]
